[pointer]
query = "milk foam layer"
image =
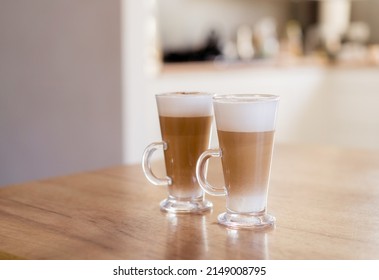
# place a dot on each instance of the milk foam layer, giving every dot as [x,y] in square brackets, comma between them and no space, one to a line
[246,113]
[184,104]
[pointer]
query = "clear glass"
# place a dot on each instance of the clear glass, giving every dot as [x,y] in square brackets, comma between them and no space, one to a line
[245,129]
[185,121]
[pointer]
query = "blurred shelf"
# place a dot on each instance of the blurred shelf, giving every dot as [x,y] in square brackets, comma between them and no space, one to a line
[281,62]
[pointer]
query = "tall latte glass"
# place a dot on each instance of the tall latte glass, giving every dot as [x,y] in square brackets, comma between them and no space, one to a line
[245,128]
[185,121]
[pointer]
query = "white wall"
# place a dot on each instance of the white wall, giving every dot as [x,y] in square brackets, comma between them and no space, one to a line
[60,87]
[134,76]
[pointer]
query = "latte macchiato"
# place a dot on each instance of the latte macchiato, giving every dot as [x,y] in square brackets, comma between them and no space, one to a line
[185,121]
[245,129]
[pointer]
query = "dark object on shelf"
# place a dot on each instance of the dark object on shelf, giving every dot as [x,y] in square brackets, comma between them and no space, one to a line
[209,51]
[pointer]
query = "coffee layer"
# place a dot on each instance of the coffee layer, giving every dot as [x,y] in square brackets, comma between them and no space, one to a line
[246,161]
[186,138]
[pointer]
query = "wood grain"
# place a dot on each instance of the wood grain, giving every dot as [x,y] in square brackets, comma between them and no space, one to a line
[325,199]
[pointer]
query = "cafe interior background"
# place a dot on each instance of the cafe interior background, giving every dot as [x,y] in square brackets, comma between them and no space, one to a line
[78,77]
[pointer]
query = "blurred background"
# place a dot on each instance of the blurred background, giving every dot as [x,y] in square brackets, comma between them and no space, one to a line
[78,77]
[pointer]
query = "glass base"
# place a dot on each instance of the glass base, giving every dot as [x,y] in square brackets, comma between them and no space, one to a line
[173,205]
[248,221]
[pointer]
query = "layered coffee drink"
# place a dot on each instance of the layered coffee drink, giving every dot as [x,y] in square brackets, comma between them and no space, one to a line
[185,120]
[246,137]
[186,138]
[245,127]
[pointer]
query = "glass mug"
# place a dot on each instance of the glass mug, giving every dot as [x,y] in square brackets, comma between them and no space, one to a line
[185,121]
[245,128]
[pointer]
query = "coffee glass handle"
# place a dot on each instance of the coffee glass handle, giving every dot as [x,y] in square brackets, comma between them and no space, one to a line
[201,170]
[146,166]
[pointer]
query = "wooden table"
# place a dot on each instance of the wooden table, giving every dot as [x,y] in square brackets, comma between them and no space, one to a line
[326,201]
